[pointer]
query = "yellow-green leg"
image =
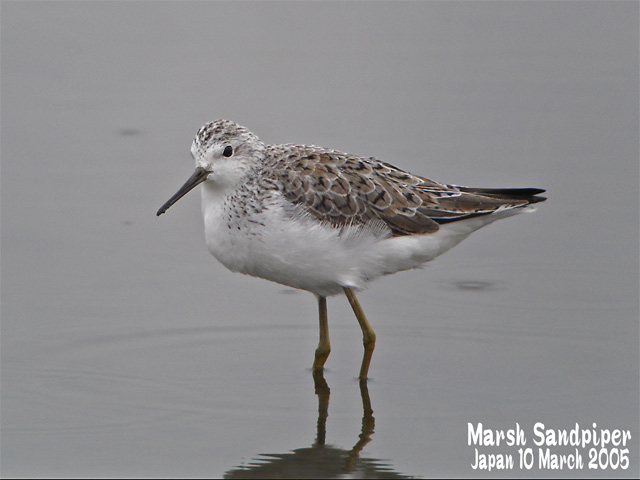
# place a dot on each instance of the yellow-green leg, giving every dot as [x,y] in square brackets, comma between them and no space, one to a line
[368,336]
[324,346]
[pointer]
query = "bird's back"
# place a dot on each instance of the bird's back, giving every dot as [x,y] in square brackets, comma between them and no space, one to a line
[341,189]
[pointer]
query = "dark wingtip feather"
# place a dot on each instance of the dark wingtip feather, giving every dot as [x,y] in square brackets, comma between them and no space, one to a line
[529,194]
[536,199]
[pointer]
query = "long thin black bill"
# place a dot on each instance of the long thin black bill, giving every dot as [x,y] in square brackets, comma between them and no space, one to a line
[199,176]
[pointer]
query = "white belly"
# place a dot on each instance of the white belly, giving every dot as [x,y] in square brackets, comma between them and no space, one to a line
[299,252]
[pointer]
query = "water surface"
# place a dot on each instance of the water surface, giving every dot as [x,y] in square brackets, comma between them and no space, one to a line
[128,351]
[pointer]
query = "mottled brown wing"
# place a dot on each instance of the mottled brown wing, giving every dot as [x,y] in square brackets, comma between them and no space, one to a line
[344,189]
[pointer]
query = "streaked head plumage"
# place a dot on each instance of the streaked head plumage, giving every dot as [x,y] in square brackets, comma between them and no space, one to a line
[214,137]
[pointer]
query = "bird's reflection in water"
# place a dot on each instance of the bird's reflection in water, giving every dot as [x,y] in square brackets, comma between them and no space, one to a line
[322,460]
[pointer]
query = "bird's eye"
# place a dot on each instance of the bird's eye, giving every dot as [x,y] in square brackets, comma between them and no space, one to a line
[228,151]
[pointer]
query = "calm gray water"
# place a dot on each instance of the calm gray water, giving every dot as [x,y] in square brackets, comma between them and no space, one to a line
[128,351]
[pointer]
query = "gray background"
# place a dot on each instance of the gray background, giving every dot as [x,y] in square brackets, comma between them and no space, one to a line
[128,350]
